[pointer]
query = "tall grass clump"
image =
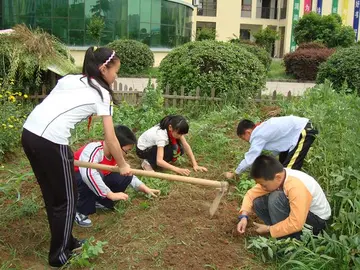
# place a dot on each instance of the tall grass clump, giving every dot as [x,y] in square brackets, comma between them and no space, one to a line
[335,162]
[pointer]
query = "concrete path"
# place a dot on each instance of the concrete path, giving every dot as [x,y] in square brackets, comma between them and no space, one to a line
[280,87]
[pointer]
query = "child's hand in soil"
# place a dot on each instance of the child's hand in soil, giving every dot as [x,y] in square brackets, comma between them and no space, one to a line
[152,192]
[198,168]
[181,171]
[241,227]
[229,175]
[116,196]
[262,228]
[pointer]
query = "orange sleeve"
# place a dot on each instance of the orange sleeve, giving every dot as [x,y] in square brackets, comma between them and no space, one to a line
[250,196]
[300,200]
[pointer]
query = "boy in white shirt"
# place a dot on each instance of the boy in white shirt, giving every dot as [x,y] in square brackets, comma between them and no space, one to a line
[290,137]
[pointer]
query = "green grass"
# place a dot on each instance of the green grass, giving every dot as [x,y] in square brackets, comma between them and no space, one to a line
[277,72]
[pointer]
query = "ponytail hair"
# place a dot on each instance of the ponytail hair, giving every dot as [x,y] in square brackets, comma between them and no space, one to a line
[94,59]
[177,122]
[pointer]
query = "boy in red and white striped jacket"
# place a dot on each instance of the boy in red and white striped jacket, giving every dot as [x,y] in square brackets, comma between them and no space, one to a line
[99,189]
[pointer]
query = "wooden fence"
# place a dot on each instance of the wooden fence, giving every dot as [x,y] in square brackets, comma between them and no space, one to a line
[179,98]
[123,93]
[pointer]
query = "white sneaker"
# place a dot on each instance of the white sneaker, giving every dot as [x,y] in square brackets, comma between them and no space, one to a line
[82,220]
[100,206]
[146,166]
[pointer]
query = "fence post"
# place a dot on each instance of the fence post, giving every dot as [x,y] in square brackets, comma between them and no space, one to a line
[212,94]
[174,99]
[258,99]
[197,95]
[189,102]
[274,95]
[182,91]
[289,95]
[167,90]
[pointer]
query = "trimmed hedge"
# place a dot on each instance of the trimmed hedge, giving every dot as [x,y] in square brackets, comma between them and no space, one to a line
[343,66]
[231,70]
[135,57]
[311,45]
[304,63]
[258,51]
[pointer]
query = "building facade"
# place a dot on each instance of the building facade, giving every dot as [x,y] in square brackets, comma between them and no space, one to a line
[158,23]
[243,18]
[164,24]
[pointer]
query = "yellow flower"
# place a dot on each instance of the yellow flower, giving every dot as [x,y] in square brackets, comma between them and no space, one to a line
[26,96]
[1,96]
[9,119]
[10,126]
[19,94]
[3,125]
[8,92]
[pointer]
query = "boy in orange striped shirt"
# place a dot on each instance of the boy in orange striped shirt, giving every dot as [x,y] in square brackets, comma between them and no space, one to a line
[284,199]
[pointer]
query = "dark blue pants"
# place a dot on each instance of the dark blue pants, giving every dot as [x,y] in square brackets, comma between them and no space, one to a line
[150,154]
[274,207]
[87,198]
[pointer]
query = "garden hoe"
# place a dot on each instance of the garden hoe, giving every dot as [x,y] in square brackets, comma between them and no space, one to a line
[221,187]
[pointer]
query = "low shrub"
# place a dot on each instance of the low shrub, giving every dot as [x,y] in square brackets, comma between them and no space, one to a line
[135,56]
[304,63]
[311,45]
[231,71]
[342,67]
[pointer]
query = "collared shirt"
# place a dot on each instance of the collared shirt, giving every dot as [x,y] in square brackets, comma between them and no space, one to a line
[304,194]
[278,134]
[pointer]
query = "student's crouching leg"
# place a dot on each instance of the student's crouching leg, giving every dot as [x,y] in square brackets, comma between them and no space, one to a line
[262,210]
[279,209]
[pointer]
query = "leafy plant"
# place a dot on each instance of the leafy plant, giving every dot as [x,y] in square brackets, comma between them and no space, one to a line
[96,28]
[205,34]
[14,110]
[266,38]
[90,250]
[233,72]
[260,53]
[135,57]
[341,68]
[326,29]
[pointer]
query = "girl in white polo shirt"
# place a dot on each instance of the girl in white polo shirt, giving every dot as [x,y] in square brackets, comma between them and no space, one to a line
[45,140]
[164,143]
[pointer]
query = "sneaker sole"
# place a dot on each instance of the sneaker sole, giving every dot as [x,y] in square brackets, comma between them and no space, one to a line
[82,225]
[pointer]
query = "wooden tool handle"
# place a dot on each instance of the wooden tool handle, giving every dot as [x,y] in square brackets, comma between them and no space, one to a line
[172,177]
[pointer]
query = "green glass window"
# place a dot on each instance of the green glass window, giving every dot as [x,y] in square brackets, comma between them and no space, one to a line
[145,11]
[76,24]
[76,9]
[60,29]
[44,23]
[60,8]
[158,23]
[76,37]
[43,8]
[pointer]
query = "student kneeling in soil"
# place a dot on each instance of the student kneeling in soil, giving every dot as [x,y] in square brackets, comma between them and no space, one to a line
[284,199]
[99,189]
[164,143]
[289,136]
